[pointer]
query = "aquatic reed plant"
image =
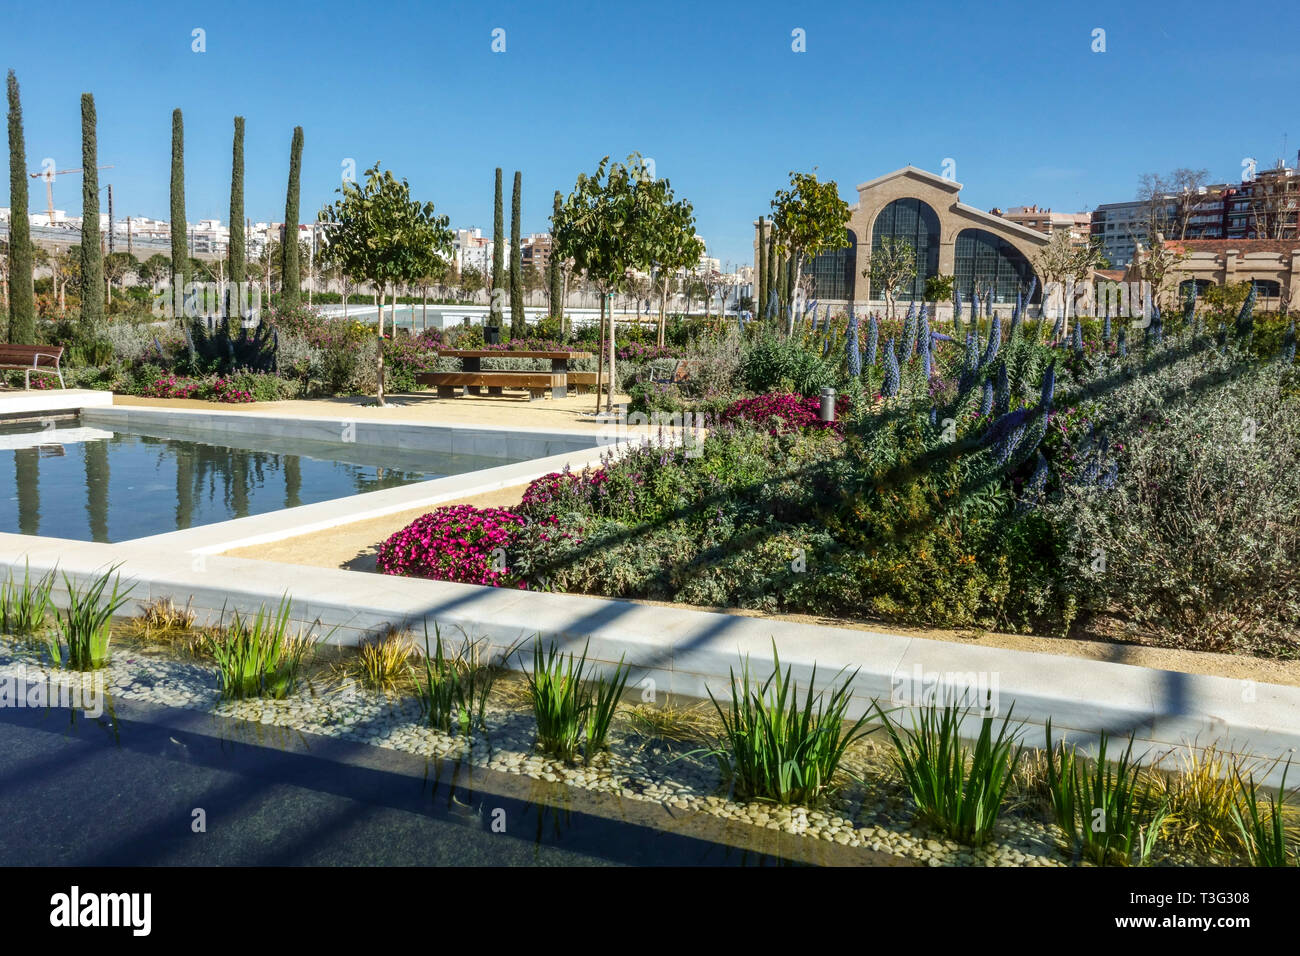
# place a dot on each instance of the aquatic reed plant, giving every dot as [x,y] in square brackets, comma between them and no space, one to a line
[958,789]
[25,607]
[1106,809]
[258,657]
[1263,833]
[774,748]
[570,707]
[86,625]
[454,694]
[385,663]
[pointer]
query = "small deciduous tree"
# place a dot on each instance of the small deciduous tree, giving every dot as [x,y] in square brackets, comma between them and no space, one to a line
[807,219]
[383,236]
[890,268]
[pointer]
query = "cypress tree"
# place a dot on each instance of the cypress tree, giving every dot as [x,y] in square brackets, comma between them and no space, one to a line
[553,264]
[517,325]
[498,261]
[237,250]
[772,278]
[289,277]
[760,303]
[22,294]
[180,245]
[92,257]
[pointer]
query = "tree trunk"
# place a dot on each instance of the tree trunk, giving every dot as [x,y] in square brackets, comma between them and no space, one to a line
[663,303]
[609,404]
[600,352]
[424,311]
[379,350]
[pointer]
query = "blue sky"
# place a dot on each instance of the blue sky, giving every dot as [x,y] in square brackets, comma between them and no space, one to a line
[1012,92]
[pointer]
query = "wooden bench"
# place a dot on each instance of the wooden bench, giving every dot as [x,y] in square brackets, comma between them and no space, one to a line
[43,359]
[449,384]
[587,380]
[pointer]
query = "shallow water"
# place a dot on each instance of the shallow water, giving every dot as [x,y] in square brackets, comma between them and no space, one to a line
[93,485]
[124,788]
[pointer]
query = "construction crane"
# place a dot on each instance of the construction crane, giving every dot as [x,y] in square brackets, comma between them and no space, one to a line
[48,176]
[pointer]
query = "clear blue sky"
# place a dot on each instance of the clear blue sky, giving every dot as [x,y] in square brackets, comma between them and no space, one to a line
[711,91]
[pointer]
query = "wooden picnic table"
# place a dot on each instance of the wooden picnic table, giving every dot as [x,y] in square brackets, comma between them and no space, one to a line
[473,379]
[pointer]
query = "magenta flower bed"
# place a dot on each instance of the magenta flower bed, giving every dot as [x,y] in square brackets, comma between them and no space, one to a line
[782,412]
[458,543]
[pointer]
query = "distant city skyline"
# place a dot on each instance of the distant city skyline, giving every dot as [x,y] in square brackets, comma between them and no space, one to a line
[1013,100]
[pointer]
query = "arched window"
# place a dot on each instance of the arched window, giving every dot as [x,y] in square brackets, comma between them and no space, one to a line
[994,264]
[915,223]
[1267,288]
[833,272]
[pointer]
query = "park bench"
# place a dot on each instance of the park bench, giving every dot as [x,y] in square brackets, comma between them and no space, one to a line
[537,384]
[586,381]
[43,359]
[472,378]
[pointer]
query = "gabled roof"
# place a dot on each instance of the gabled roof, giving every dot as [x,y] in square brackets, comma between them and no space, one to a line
[1039,238]
[914,173]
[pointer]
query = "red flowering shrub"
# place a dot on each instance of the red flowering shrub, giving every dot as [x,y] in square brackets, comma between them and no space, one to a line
[782,412]
[457,543]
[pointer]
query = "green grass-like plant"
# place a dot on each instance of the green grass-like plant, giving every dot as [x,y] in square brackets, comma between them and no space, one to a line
[1263,833]
[258,657]
[454,694]
[1106,809]
[774,748]
[25,608]
[957,789]
[572,709]
[86,625]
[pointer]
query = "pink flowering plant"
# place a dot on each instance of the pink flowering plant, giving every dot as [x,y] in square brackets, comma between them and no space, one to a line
[783,412]
[458,543]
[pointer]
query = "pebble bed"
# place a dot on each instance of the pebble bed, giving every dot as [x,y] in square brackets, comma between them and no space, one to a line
[875,814]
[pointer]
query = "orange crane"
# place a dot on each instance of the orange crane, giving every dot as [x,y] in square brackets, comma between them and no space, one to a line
[48,176]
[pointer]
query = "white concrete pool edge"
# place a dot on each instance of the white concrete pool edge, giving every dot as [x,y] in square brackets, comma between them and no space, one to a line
[693,652]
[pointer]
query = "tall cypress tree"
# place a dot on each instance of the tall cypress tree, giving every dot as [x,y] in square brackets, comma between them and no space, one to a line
[22,294]
[760,302]
[289,268]
[236,252]
[180,243]
[553,264]
[92,257]
[498,251]
[518,327]
[772,278]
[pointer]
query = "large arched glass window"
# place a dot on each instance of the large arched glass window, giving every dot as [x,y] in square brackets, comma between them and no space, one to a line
[989,263]
[833,272]
[913,222]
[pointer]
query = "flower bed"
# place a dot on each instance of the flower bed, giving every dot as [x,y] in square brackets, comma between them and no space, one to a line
[458,543]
